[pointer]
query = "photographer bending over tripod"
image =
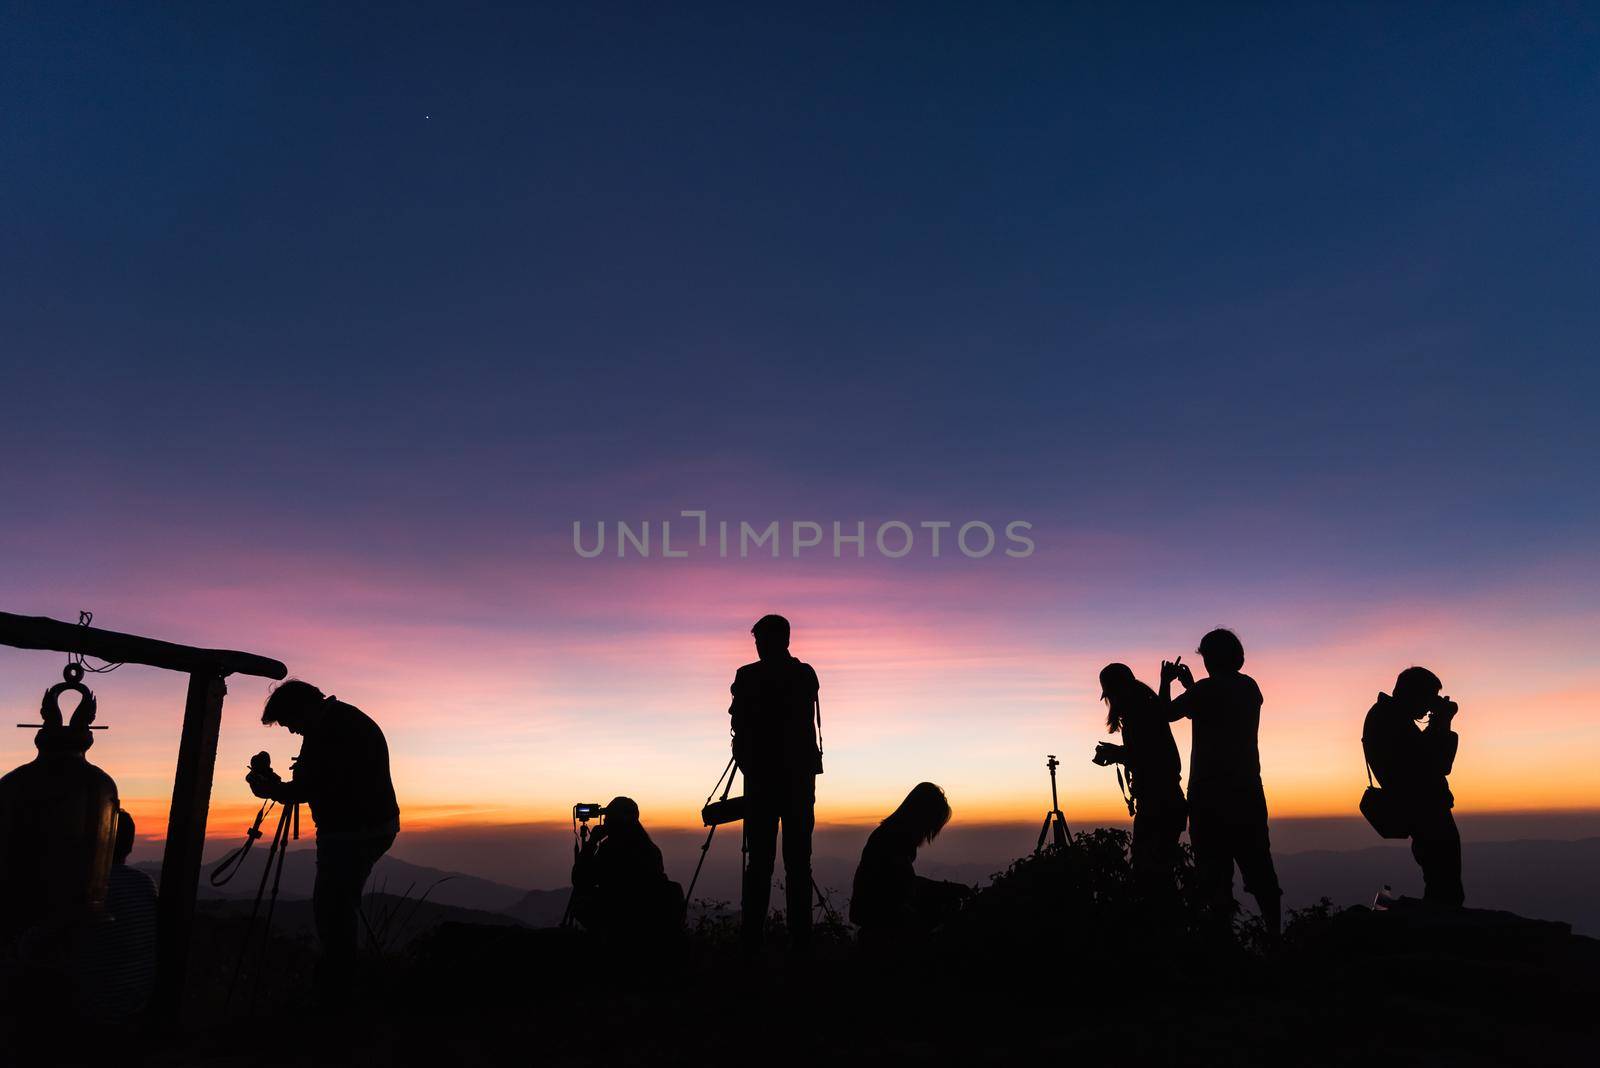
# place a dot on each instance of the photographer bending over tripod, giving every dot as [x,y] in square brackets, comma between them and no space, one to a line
[343,774]
[1151,758]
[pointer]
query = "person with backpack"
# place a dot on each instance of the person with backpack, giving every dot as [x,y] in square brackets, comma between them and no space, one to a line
[1227,804]
[775,721]
[1413,766]
[1154,770]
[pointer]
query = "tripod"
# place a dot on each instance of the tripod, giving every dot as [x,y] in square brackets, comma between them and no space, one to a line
[288,823]
[728,774]
[1054,822]
[580,839]
[724,810]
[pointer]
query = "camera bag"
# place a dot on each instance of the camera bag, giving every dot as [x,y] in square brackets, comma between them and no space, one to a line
[1385,811]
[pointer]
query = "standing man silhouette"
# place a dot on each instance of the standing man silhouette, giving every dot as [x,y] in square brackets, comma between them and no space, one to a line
[1414,766]
[776,741]
[1227,805]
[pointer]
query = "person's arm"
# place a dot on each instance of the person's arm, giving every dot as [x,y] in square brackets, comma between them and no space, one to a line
[1175,708]
[736,713]
[268,785]
[302,783]
[586,873]
[1442,741]
[1108,753]
[291,792]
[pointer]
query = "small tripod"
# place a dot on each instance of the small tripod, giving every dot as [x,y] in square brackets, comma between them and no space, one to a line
[1054,822]
[580,839]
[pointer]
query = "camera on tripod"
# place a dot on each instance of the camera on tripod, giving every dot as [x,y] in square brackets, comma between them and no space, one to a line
[584,812]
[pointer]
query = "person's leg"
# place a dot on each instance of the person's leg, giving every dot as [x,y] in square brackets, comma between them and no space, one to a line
[1253,850]
[342,870]
[761,844]
[1213,857]
[335,897]
[1436,845]
[799,819]
[1154,854]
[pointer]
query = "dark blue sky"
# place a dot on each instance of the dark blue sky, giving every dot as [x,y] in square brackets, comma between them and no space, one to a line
[1323,273]
[320,325]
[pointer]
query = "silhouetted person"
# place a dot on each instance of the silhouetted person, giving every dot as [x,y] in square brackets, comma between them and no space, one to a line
[343,775]
[1151,758]
[120,969]
[1227,805]
[620,887]
[1413,766]
[774,715]
[890,902]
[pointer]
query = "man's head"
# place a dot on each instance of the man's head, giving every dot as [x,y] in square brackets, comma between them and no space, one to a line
[772,637]
[1222,652]
[294,705]
[125,832]
[1416,690]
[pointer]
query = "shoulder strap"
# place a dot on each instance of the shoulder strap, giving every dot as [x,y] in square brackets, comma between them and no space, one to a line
[816,704]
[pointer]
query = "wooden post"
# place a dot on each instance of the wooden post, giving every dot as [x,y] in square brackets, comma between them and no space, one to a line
[186,838]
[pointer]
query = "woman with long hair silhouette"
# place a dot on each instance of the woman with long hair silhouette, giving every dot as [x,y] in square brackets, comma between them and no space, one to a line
[1150,757]
[890,900]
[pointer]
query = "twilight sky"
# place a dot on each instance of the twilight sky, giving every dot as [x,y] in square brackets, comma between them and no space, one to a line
[320,328]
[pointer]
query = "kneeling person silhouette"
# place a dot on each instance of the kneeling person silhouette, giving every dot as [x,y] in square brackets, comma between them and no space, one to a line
[775,720]
[342,773]
[890,902]
[620,889]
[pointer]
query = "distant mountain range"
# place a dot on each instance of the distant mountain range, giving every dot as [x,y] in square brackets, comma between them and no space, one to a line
[391,876]
[1543,880]
[1552,880]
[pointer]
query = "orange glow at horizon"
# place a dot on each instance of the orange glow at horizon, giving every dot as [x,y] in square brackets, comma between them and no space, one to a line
[624,691]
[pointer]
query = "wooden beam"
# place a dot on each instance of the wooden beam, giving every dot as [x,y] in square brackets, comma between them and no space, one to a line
[40,632]
[186,839]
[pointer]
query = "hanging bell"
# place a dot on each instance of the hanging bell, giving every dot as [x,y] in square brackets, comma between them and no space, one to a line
[58,822]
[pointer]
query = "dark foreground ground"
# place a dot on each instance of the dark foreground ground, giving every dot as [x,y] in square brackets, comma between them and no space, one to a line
[1056,962]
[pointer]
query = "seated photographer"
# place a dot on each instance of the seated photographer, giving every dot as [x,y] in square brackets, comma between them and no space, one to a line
[620,889]
[890,902]
[120,956]
[1414,766]
[1151,758]
[342,773]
